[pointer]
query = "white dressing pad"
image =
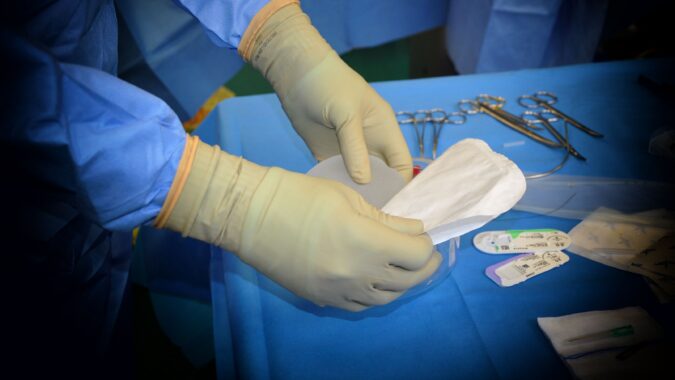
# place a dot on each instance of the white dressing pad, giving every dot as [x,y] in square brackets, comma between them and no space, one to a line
[521,241]
[465,188]
[523,267]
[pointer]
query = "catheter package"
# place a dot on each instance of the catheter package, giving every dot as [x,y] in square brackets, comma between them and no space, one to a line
[465,188]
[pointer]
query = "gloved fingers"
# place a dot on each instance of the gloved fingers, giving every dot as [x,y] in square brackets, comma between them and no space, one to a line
[354,149]
[391,248]
[398,158]
[400,224]
[410,253]
[383,296]
[373,297]
[405,225]
[402,280]
[322,141]
[395,150]
[354,306]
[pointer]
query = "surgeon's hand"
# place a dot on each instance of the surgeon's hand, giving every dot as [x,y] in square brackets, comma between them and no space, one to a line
[316,237]
[324,242]
[332,107]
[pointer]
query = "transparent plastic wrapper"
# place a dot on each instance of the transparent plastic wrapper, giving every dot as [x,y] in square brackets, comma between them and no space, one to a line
[640,243]
[576,197]
[616,239]
[385,183]
[484,185]
[448,251]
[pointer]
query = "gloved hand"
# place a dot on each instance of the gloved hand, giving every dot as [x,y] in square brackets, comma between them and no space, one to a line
[316,237]
[332,107]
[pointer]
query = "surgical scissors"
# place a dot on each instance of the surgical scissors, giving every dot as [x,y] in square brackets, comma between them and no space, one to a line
[537,117]
[496,103]
[562,162]
[491,105]
[545,99]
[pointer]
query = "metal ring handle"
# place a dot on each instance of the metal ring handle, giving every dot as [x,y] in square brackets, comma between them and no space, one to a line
[552,118]
[530,98]
[456,118]
[531,117]
[540,116]
[547,97]
[475,107]
[426,113]
[492,101]
[409,120]
[434,112]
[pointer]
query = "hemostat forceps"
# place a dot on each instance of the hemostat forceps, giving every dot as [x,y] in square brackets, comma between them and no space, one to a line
[491,105]
[404,117]
[438,117]
[545,99]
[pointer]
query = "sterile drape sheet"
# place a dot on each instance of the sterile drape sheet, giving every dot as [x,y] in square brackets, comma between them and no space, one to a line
[466,327]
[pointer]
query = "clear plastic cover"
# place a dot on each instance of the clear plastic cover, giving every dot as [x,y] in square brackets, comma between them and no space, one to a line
[448,253]
[576,197]
[385,183]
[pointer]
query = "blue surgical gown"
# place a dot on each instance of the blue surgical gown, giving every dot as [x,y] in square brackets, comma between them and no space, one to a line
[87,157]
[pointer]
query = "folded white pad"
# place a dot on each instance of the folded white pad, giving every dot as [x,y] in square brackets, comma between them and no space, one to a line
[463,189]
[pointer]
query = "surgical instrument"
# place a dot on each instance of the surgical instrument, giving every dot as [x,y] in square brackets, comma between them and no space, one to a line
[496,103]
[437,117]
[537,118]
[491,105]
[474,106]
[437,123]
[412,119]
[545,99]
[561,164]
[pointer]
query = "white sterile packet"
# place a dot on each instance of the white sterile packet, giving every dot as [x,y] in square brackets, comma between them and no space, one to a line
[463,189]
[611,344]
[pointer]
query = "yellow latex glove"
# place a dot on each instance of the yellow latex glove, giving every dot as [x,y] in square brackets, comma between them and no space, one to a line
[332,107]
[316,237]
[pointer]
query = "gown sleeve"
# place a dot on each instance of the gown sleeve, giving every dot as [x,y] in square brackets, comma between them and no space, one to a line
[225,21]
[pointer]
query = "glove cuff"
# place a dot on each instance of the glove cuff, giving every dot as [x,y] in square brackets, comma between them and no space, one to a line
[259,20]
[210,195]
[285,47]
